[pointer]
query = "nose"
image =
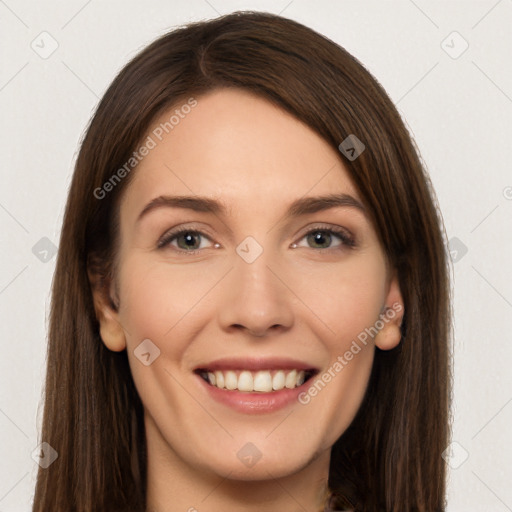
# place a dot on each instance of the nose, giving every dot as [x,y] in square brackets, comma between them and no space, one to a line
[257,298]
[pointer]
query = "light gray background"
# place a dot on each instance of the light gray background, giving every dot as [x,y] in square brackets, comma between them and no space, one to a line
[458,109]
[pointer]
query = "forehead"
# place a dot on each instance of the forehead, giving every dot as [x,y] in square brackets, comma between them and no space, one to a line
[239,147]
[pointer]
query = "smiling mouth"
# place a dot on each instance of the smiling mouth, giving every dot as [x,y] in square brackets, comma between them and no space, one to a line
[262,381]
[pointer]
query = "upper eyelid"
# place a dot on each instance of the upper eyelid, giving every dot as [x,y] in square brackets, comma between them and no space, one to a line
[315,225]
[320,226]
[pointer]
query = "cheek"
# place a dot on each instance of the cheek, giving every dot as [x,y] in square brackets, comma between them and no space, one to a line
[343,301]
[348,301]
[170,305]
[162,304]
[346,298]
[337,300]
[157,297]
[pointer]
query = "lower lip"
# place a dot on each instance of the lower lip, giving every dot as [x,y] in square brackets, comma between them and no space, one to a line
[254,403]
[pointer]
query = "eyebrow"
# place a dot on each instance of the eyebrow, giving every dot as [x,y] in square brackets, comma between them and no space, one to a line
[301,206]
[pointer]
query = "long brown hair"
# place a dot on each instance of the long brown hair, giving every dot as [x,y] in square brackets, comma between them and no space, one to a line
[389,459]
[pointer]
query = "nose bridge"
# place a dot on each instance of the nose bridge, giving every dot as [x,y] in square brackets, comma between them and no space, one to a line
[252,267]
[256,298]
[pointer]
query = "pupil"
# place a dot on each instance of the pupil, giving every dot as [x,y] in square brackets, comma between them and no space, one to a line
[189,239]
[318,236]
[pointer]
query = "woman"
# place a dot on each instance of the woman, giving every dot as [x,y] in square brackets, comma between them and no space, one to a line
[251,304]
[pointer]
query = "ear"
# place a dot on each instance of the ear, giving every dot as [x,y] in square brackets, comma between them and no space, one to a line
[393,312]
[111,330]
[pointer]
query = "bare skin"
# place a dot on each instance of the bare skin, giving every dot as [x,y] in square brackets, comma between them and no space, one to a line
[304,297]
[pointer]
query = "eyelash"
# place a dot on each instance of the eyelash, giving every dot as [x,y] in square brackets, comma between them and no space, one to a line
[347,241]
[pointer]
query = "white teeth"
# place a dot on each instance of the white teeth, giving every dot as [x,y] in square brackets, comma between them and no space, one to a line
[278,381]
[262,381]
[230,380]
[219,377]
[245,381]
[291,379]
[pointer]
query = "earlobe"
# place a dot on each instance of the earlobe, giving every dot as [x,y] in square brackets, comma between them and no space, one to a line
[390,334]
[388,337]
[111,330]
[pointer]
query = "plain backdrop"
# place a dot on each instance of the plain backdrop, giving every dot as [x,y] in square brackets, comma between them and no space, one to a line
[447,67]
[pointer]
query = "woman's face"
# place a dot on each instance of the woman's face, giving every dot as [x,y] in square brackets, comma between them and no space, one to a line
[244,293]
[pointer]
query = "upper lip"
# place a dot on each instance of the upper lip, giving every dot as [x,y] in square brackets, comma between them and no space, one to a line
[254,364]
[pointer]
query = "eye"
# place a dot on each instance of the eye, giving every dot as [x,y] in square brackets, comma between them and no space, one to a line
[187,240]
[320,237]
[323,237]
